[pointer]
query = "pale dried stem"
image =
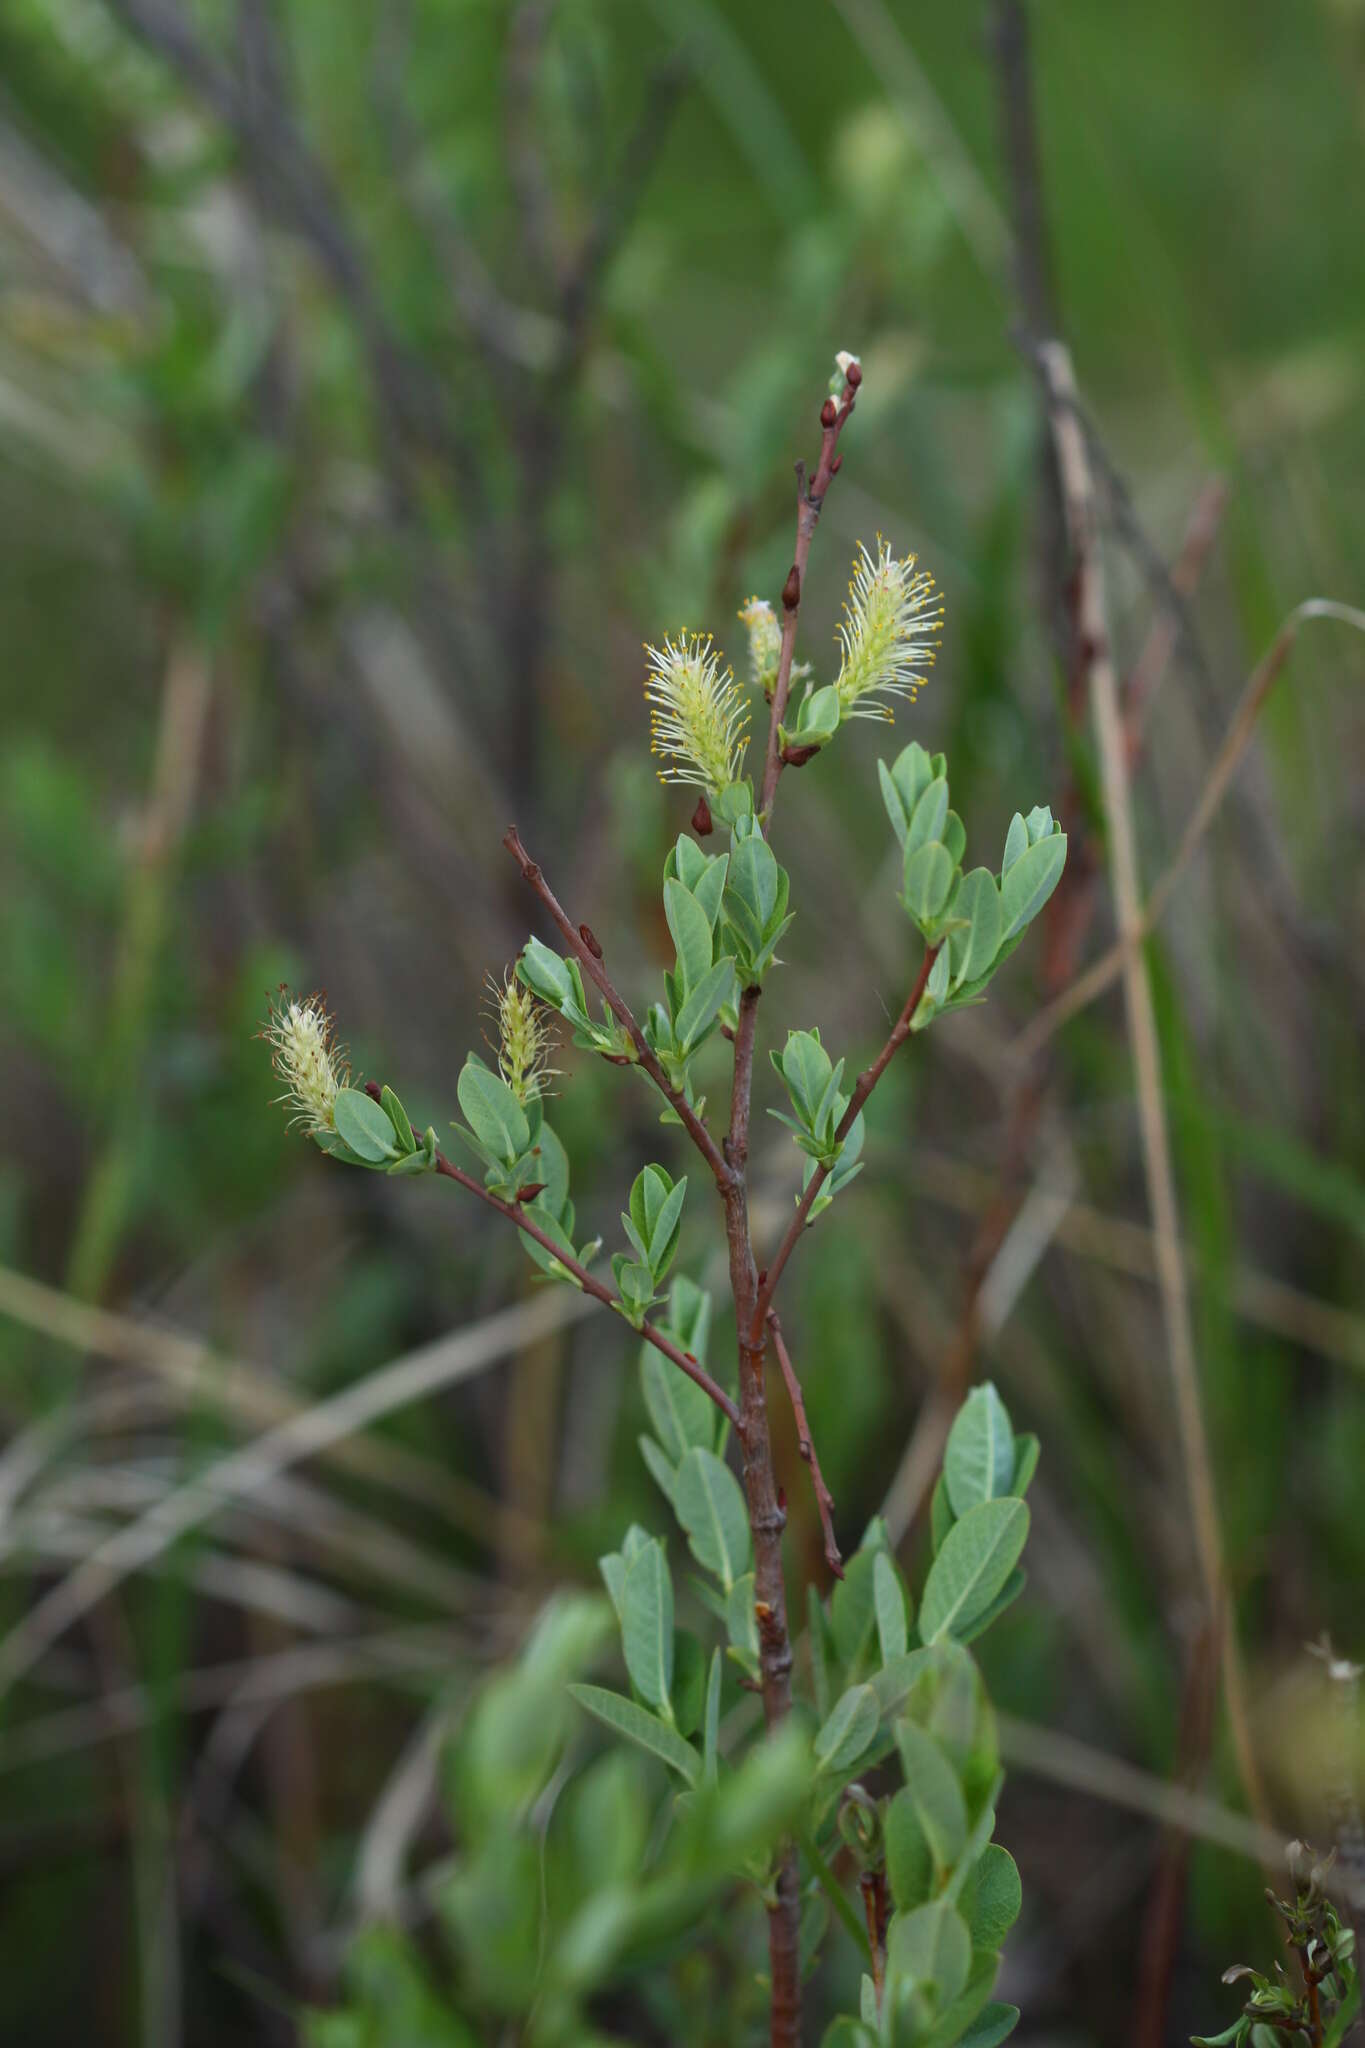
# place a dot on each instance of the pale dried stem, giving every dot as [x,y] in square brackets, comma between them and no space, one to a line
[1093,633]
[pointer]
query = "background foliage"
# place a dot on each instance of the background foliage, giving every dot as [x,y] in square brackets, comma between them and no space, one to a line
[372,382]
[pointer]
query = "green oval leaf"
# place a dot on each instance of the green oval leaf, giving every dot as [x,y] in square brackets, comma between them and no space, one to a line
[691,931]
[364,1127]
[848,1731]
[493,1113]
[928,878]
[930,1945]
[889,1596]
[934,1790]
[999,1896]
[647,1626]
[711,1509]
[1028,884]
[979,1553]
[626,1718]
[978,1462]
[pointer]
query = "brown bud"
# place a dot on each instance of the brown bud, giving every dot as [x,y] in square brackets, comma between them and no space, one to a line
[374,1091]
[836,465]
[586,935]
[791,589]
[797,757]
[530,1191]
[853,376]
[829,413]
[701,818]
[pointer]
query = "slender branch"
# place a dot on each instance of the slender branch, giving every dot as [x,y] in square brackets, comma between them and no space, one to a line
[767,1515]
[590,1284]
[867,1081]
[809,500]
[591,958]
[824,1500]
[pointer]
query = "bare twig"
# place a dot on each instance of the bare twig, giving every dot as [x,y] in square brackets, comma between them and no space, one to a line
[805,1444]
[593,966]
[809,500]
[1094,643]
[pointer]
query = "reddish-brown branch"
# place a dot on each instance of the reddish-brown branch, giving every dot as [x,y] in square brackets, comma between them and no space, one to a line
[589,1282]
[873,1886]
[589,953]
[866,1082]
[806,1445]
[767,1517]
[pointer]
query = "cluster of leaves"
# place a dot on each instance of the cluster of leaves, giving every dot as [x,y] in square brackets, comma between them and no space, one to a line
[560,1884]
[377,1134]
[1319,2010]
[812,1081]
[569,1879]
[726,913]
[975,919]
[889,1687]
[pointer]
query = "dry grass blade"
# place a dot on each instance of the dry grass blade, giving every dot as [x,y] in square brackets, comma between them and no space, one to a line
[303,1436]
[1093,638]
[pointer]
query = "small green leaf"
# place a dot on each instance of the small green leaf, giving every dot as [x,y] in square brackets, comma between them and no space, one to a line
[689,1682]
[741,1622]
[930,1945]
[1026,1449]
[978,1462]
[999,1896]
[681,1412]
[363,1126]
[933,1788]
[941,1516]
[848,1731]
[624,1717]
[663,1474]
[711,1720]
[493,1113]
[978,1555]
[398,1117]
[889,1597]
[1029,883]
[613,1570]
[647,1626]
[994,2024]
[751,890]
[666,1225]
[807,1070]
[1016,843]
[853,1610]
[704,1004]
[909,1859]
[928,878]
[929,816]
[974,950]
[691,931]
[711,1509]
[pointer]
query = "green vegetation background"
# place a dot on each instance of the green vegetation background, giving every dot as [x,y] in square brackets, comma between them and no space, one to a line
[348,451]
